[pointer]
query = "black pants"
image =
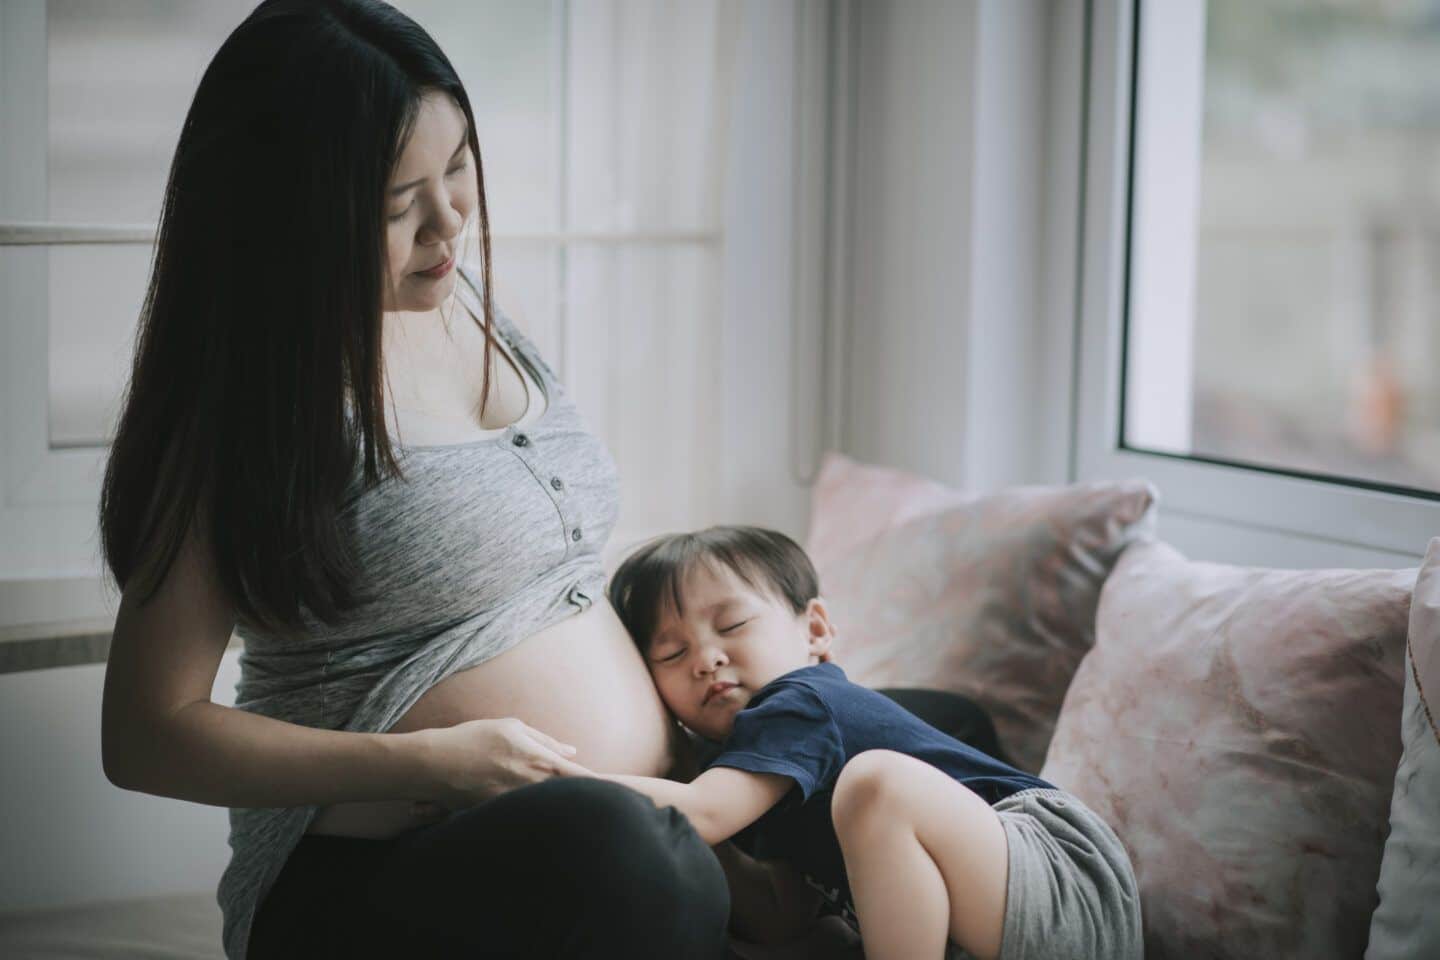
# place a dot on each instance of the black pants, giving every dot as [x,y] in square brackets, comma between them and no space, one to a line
[566,868]
[563,868]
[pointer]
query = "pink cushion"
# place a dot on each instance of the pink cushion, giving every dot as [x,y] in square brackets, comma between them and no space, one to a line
[992,597]
[851,502]
[1238,729]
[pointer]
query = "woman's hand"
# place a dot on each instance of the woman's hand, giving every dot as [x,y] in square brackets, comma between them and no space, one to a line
[473,761]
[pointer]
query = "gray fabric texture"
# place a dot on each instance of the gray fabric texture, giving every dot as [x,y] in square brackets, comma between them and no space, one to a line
[1072,889]
[484,544]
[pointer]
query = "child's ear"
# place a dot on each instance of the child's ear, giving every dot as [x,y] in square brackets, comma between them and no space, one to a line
[822,632]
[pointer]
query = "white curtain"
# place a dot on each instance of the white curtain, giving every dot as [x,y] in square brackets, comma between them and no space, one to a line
[639,340]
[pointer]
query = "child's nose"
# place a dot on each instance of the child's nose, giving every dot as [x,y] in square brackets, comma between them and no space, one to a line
[712,658]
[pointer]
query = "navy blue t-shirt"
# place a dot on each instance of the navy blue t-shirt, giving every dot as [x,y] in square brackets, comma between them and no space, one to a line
[805,725]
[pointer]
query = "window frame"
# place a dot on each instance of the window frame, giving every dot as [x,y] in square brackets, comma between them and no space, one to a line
[1338,519]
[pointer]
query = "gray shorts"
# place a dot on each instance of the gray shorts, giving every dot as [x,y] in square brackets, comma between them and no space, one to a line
[1071,893]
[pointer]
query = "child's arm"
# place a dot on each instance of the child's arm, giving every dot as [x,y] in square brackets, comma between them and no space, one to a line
[720,802]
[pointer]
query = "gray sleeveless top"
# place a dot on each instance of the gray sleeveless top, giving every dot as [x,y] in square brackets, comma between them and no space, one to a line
[484,544]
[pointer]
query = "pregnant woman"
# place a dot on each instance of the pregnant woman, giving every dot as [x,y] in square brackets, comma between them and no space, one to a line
[335,446]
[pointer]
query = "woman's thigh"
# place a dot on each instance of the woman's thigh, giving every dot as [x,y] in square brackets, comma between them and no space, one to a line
[565,868]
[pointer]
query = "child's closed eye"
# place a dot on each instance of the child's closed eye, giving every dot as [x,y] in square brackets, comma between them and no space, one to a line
[681,651]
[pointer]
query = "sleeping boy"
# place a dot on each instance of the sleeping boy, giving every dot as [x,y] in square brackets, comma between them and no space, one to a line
[925,844]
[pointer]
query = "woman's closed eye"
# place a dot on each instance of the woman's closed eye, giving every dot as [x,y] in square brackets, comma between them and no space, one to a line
[449,173]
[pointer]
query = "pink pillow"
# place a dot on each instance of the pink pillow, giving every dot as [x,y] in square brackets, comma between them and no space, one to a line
[992,596]
[1238,728]
[851,502]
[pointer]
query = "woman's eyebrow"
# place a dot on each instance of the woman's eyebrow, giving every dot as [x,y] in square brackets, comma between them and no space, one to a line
[396,191]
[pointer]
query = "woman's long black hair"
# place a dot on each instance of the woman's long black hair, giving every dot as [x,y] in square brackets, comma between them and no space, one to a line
[262,318]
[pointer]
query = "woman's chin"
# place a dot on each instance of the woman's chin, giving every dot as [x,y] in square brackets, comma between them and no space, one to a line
[421,295]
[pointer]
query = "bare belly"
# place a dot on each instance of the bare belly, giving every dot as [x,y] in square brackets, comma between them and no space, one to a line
[580,680]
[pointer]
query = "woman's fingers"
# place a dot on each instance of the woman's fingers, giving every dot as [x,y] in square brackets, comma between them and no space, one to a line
[564,749]
[569,768]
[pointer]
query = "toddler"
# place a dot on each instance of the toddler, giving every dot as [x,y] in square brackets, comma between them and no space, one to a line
[927,845]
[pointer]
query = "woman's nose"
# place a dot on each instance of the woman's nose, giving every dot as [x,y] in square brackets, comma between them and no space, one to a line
[445,225]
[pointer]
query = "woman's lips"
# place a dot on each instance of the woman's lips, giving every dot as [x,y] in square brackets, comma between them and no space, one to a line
[435,273]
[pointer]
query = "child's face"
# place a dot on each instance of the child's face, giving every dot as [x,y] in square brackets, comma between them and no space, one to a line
[730,634]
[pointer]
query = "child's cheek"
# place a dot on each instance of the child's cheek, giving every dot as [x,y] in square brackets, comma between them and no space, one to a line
[677,707]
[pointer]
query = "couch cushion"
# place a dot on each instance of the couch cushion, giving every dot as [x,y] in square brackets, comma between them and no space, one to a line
[1236,726]
[990,596]
[1407,922]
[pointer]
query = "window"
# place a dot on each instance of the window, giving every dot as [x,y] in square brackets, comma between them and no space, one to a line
[1285,295]
[1261,263]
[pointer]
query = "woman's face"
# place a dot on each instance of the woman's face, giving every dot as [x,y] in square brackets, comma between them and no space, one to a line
[430,197]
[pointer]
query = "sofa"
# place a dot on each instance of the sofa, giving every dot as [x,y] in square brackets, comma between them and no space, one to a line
[1258,738]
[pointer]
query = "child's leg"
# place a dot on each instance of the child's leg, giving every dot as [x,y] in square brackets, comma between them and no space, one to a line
[927,858]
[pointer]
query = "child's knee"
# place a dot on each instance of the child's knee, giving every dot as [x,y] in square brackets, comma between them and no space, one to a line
[867,784]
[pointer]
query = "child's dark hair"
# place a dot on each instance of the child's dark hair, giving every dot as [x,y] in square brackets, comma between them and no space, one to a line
[766,560]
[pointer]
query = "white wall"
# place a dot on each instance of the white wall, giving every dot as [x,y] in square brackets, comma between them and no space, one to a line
[911,269]
[754,446]
[950,349]
[67,834]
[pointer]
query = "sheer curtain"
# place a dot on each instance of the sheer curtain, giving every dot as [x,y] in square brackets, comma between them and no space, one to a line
[639,335]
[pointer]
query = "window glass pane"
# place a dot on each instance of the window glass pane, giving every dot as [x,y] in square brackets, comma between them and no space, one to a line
[1285,245]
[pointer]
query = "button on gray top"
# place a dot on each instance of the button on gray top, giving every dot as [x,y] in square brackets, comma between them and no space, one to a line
[521,440]
[575,534]
[557,483]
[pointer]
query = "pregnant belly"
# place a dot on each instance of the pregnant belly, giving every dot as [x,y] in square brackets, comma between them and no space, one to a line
[580,680]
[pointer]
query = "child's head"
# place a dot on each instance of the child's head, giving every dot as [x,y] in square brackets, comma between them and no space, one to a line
[727,605]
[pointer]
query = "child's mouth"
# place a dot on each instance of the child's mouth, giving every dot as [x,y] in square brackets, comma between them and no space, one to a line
[719,690]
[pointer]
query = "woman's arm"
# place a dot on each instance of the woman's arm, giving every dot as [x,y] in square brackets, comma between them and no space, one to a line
[209,753]
[720,802]
[161,734]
